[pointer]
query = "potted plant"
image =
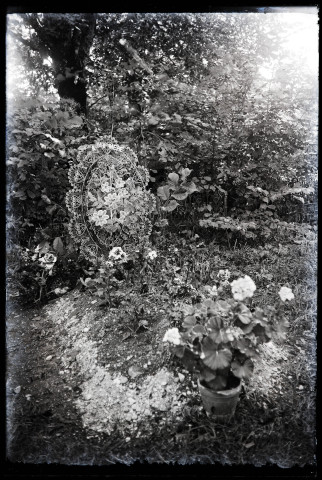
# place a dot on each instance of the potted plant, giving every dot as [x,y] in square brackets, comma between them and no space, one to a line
[219,340]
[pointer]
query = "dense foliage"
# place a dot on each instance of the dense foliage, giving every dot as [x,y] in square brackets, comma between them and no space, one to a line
[214,105]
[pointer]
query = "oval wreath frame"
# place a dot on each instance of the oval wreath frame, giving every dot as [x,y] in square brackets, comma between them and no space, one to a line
[108,201]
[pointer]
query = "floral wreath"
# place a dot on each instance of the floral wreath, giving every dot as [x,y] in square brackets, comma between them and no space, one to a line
[108,201]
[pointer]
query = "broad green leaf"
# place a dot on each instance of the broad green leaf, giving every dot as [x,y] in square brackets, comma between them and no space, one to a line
[199,330]
[185,172]
[207,374]
[242,369]
[188,310]
[190,187]
[244,315]
[172,205]
[214,358]
[179,350]
[218,383]
[43,247]
[174,177]
[163,192]
[215,323]
[189,321]
[58,245]
[217,359]
[244,345]
[180,195]
[261,333]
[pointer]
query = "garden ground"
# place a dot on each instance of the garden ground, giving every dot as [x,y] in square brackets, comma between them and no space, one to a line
[92,385]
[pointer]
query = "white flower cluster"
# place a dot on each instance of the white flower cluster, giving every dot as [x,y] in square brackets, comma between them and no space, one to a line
[118,255]
[223,274]
[243,288]
[286,293]
[99,218]
[48,261]
[211,291]
[60,291]
[172,336]
[151,255]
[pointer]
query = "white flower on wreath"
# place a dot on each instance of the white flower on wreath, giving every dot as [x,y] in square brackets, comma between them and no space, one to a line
[106,187]
[242,288]
[99,218]
[286,293]
[117,254]
[172,336]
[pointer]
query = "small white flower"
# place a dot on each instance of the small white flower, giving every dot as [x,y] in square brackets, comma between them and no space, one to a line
[212,291]
[105,187]
[109,264]
[242,288]
[118,254]
[223,274]
[151,255]
[286,293]
[48,261]
[99,218]
[172,336]
[60,291]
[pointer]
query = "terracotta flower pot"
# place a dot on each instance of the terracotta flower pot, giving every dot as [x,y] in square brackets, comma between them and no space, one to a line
[220,405]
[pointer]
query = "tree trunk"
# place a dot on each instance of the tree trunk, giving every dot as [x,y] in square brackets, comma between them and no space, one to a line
[67,39]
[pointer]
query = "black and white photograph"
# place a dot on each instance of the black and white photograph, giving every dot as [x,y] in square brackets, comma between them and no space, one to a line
[161,237]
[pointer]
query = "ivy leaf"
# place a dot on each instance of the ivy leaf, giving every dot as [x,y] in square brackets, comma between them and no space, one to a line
[242,369]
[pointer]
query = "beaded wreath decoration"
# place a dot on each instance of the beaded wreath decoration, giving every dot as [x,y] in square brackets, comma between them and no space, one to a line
[108,202]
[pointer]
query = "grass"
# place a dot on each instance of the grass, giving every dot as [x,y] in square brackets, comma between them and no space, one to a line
[276,427]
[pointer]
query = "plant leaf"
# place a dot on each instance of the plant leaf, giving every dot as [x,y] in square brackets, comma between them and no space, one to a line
[244,315]
[214,358]
[164,192]
[242,369]
[180,195]
[58,245]
[189,321]
[174,177]
[172,205]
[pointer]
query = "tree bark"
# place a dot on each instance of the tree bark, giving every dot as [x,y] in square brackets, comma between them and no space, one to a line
[67,39]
